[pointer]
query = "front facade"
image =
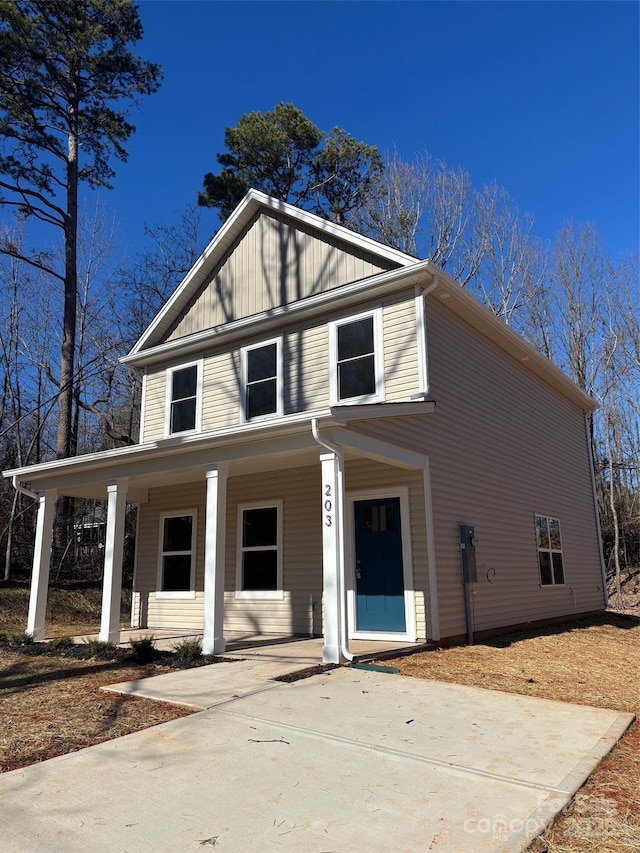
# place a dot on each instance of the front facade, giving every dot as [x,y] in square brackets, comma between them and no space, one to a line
[320,414]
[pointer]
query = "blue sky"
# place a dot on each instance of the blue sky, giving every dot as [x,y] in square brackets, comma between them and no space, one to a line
[541,97]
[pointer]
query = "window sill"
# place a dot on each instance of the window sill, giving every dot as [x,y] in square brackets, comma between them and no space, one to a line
[356,401]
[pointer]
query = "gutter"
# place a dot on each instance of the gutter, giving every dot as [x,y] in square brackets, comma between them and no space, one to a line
[342,587]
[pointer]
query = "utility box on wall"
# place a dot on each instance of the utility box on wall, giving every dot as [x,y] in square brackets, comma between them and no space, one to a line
[468,553]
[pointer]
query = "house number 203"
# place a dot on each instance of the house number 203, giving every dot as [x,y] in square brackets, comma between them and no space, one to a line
[328,506]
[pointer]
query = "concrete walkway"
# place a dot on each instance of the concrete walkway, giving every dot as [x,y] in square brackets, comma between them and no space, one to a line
[346,761]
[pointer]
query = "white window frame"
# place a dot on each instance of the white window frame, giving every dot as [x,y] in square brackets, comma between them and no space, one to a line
[256,594]
[169,401]
[244,375]
[378,360]
[177,593]
[549,551]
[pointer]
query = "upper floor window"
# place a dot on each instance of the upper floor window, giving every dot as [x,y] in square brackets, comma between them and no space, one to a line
[176,570]
[261,371]
[183,399]
[549,551]
[357,359]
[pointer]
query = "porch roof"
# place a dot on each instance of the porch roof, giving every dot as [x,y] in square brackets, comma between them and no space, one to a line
[246,448]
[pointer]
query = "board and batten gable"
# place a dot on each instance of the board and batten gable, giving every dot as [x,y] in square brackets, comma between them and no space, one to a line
[275,263]
[306,368]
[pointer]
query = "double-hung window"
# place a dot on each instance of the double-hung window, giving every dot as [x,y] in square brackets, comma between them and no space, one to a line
[183,399]
[259,569]
[357,359]
[549,551]
[262,380]
[176,570]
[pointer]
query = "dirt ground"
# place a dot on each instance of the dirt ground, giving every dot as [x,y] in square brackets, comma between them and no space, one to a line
[593,662]
[53,705]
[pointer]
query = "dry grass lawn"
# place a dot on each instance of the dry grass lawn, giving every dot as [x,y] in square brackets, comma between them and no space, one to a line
[53,705]
[594,662]
[50,706]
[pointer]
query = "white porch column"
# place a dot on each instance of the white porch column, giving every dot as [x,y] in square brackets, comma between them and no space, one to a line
[331,546]
[214,560]
[41,564]
[113,548]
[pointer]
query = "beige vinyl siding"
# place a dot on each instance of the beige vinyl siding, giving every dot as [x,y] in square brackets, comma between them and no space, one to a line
[274,264]
[400,350]
[306,369]
[220,391]
[154,405]
[299,612]
[300,609]
[503,446]
[153,612]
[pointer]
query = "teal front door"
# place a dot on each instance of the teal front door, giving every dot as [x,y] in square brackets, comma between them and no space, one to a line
[379,570]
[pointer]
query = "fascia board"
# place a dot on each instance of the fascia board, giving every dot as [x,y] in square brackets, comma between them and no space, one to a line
[346,294]
[231,229]
[456,298]
[122,457]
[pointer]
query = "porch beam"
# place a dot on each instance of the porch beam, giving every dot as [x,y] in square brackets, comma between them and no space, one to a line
[214,560]
[378,450]
[331,545]
[41,564]
[113,551]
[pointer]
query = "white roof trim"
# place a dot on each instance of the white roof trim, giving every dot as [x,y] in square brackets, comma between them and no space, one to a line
[274,317]
[231,230]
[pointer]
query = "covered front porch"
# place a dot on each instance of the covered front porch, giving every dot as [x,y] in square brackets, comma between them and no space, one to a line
[323,448]
[305,651]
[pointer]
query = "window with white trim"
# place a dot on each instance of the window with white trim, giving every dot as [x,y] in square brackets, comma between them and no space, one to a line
[357,359]
[183,398]
[259,570]
[176,569]
[262,380]
[549,551]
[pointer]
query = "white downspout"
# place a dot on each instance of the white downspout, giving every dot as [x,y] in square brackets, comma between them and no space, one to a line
[17,485]
[342,587]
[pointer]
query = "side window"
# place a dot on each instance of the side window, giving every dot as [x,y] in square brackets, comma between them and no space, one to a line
[183,399]
[549,551]
[259,569]
[357,359]
[176,570]
[262,378]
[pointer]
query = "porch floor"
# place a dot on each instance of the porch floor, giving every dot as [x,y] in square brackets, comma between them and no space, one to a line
[305,650]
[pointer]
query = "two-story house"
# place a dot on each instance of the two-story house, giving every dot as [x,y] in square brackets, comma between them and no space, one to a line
[320,414]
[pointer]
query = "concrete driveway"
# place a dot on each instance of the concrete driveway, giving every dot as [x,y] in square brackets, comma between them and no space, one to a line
[346,761]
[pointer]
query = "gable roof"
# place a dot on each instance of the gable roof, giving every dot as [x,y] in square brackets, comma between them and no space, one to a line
[406,271]
[227,237]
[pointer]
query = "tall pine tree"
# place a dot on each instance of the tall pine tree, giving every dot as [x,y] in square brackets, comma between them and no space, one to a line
[67,75]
